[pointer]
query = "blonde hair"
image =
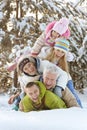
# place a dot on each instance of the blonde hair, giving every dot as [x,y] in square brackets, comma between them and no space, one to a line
[62,63]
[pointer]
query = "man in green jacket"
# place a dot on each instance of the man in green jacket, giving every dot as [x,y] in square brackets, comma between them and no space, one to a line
[38,98]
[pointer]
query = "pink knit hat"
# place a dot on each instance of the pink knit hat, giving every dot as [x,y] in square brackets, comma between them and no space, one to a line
[49,27]
[67,34]
[61,26]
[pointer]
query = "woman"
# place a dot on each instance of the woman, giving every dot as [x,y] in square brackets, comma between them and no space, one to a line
[58,55]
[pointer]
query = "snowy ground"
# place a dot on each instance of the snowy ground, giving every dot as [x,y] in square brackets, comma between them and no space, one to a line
[60,119]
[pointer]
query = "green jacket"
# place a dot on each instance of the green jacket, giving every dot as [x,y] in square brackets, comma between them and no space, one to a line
[47,100]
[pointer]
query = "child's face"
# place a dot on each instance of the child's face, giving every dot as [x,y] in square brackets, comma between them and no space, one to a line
[55,35]
[29,68]
[59,53]
[33,93]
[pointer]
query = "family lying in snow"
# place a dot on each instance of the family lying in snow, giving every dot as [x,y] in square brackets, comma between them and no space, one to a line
[43,74]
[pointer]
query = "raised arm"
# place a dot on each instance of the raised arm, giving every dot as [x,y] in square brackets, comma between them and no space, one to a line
[40,42]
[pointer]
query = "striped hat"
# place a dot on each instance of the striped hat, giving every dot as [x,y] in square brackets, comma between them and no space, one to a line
[62,44]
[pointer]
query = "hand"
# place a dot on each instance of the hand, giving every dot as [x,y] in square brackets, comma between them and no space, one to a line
[11,100]
[12,67]
[33,55]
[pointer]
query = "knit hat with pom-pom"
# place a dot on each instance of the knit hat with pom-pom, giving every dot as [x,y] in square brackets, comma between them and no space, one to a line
[61,27]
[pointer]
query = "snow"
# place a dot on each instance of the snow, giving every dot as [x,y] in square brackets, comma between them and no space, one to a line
[59,119]
[62,119]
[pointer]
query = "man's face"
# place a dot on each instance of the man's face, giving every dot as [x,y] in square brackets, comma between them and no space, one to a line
[49,80]
[33,93]
[29,68]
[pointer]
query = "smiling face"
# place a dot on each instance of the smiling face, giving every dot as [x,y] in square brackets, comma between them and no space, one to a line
[33,92]
[54,34]
[29,68]
[49,79]
[59,53]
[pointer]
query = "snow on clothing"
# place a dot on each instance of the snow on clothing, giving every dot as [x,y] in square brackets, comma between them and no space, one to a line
[46,51]
[64,94]
[47,100]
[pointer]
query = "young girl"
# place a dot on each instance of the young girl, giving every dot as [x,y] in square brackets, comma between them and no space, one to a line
[53,30]
[58,55]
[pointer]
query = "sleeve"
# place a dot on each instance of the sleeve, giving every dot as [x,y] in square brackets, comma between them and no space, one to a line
[40,42]
[23,80]
[44,52]
[63,76]
[69,98]
[58,91]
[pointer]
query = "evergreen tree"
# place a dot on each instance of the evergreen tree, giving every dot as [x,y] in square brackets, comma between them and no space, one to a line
[23,21]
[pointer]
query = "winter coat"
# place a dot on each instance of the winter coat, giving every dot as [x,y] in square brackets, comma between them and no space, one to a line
[41,64]
[46,50]
[67,96]
[47,100]
[24,79]
[64,94]
[40,42]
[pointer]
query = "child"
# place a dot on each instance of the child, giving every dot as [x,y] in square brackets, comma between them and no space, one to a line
[56,29]
[53,30]
[38,98]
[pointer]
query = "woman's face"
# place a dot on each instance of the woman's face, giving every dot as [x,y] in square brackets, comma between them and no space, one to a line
[58,53]
[55,35]
[29,68]
[33,92]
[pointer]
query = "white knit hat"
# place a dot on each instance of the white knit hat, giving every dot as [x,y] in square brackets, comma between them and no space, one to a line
[61,26]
